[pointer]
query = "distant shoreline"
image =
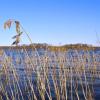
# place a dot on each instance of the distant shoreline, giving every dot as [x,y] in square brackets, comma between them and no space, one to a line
[54,48]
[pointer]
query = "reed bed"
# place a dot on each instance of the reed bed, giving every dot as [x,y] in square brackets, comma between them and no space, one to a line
[42,74]
[47,73]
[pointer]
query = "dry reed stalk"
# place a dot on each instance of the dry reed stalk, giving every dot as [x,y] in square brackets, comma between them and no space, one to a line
[31,43]
[7,73]
[54,77]
[40,80]
[62,78]
[86,82]
[80,76]
[15,76]
[45,72]
[27,78]
[30,83]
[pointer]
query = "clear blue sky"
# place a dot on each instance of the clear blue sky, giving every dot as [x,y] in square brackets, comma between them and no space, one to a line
[52,21]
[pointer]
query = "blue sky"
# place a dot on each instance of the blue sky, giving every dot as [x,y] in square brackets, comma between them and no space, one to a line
[52,21]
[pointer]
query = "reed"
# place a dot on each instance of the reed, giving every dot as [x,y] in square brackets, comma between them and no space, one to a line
[47,73]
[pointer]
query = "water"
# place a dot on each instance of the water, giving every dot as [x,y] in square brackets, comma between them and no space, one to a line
[67,75]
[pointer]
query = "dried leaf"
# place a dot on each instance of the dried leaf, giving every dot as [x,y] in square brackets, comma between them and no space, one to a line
[8,24]
[18,35]
[17,26]
[15,36]
[16,41]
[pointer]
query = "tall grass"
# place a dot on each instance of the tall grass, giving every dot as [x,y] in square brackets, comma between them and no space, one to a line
[59,75]
[33,74]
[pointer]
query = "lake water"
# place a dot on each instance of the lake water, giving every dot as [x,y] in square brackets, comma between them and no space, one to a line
[44,74]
